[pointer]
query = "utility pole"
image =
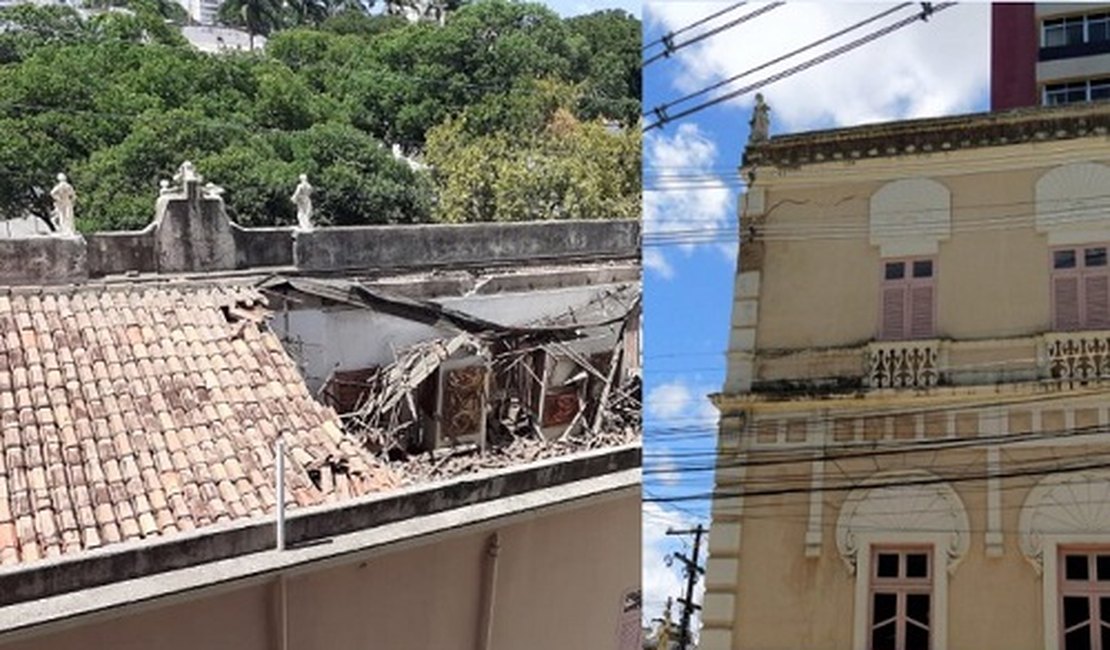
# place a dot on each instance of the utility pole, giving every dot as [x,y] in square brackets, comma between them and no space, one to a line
[693,571]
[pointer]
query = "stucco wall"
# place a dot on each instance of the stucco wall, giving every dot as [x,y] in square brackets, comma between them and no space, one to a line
[560,581]
[992,281]
[784,599]
[423,246]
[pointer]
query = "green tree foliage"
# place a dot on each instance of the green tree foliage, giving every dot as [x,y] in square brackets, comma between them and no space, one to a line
[528,157]
[503,101]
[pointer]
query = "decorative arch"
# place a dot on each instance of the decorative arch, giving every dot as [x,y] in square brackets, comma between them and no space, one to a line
[910,217]
[886,504]
[1076,505]
[1071,206]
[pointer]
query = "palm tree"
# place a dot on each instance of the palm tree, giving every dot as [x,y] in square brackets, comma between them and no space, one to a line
[257,16]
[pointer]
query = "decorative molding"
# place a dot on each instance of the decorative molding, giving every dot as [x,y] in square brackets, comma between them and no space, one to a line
[903,364]
[818,431]
[910,217]
[1070,206]
[929,509]
[994,496]
[1075,504]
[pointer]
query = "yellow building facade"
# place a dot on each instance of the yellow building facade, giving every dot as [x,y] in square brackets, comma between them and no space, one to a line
[913,449]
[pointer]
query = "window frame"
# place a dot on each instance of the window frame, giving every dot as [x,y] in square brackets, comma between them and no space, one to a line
[907,283]
[1063,22]
[901,586]
[1081,272]
[940,565]
[1066,86]
[1090,589]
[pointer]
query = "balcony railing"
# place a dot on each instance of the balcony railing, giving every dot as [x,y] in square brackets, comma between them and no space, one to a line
[1078,356]
[903,364]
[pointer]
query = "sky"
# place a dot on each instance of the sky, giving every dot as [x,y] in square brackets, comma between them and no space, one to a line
[691,185]
[568,8]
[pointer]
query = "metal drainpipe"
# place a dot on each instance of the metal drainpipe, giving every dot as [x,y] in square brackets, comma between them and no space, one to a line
[283,613]
[279,493]
[489,592]
[279,527]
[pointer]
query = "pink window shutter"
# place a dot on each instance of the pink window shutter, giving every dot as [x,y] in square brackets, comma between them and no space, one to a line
[1065,302]
[894,313]
[921,311]
[1096,300]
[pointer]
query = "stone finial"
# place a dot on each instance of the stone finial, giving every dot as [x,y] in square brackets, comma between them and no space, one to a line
[760,123]
[65,198]
[187,173]
[302,198]
[164,187]
[213,191]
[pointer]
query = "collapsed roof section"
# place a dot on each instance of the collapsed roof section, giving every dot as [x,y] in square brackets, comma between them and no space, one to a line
[477,394]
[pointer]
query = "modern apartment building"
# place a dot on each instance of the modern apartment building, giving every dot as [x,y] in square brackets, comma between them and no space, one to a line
[912,452]
[1049,53]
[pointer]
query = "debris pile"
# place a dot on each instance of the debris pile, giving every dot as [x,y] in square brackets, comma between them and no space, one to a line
[519,412]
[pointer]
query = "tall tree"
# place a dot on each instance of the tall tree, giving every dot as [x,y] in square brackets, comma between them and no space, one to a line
[258,17]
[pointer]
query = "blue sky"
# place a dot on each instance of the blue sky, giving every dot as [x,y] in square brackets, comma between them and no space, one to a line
[691,184]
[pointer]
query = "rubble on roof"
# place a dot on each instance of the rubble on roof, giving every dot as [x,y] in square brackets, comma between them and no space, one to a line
[605,401]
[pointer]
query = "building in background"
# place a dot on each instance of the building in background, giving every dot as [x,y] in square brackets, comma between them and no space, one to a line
[1049,53]
[914,450]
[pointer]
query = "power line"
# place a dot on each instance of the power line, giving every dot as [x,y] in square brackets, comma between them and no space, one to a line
[664,119]
[672,48]
[662,108]
[668,38]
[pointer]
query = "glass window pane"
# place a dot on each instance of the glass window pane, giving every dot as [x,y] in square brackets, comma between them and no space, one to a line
[1074,31]
[917,608]
[1102,567]
[1104,631]
[1063,259]
[1077,609]
[1097,29]
[884,608]
[883,637]
[1078,639]
[917,565]
[1104,610]
[1100,90]
[895,270]
[1075,567]
[923,269]
[1053,33]
[1094,257]
[917,638]
[888,565]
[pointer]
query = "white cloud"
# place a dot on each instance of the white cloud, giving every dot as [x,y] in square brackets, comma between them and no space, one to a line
[673,207]
[678,400]
[660,581]
[925,69]
[670,400]
[654,260]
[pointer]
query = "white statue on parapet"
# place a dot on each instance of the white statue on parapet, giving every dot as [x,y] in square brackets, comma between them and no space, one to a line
[186,173]
[399,155]
[302,198]
[761,121]
[65,198]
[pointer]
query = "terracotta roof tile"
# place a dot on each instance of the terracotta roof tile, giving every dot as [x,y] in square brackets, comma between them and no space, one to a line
[138,412]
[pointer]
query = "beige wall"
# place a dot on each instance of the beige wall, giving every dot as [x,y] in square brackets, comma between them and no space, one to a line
[784,600]
[824,292]
[560,581]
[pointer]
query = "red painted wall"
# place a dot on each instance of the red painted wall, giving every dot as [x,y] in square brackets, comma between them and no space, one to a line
[1014,45]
